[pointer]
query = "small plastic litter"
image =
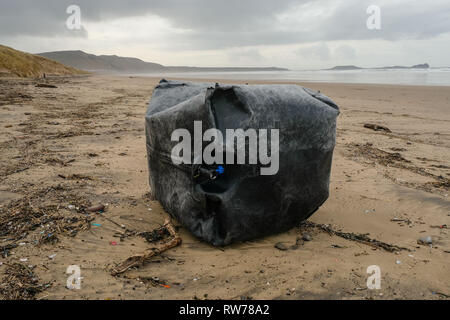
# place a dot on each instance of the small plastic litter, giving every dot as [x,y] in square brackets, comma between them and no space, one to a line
[442,226]
[398,262]
[96,224]
[425,241]
[401,220]
[52,256]
[113,243]
[71,207]
[23,259]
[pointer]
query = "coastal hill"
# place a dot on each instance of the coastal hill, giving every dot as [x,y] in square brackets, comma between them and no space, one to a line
[417,66]
[115,64]
[90,62]
[21,64]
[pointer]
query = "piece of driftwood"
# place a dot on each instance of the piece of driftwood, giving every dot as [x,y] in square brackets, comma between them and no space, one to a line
[140,259]
[377,127]
[45,85]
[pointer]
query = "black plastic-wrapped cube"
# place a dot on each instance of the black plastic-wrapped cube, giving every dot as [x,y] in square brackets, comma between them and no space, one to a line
[239,162]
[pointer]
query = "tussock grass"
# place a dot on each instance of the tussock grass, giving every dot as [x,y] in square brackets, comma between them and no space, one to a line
[21,64]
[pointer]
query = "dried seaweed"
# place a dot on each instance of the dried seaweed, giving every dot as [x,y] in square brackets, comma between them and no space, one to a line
[20,283]
[396,160]
[379,156]
[23,216]
[361,238]
[155,235]
[4,250]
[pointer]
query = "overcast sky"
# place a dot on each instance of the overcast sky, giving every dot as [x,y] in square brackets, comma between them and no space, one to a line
[297,34]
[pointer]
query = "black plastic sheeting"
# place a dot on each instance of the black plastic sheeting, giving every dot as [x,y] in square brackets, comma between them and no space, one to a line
[240,203]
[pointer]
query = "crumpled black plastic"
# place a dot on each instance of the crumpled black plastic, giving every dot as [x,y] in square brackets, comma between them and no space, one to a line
[241,204]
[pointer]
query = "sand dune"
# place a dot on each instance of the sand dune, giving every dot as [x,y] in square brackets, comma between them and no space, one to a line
[21,64]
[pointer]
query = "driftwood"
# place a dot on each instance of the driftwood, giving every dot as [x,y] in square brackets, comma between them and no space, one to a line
[377,127]
[149,253]
[45,85]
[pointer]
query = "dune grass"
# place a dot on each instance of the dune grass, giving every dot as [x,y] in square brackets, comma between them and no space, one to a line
[21,64]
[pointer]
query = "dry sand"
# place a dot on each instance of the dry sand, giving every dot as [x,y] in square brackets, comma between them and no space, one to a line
[83,143]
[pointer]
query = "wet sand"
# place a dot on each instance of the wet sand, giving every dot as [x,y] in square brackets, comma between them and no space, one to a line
[64,149]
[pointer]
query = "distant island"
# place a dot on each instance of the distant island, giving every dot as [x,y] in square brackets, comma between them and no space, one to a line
[115,64]
[417,66]
[339,68]
[345,68]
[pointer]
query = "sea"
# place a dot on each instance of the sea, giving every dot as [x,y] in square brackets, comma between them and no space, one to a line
[418,77]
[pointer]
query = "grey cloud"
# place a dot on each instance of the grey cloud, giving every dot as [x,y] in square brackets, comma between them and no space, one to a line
[47,17]
[320,51]
[399,20]
[245,55]
[234,23]
[345,52]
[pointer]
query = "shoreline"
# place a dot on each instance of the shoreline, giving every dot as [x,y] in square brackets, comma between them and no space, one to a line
[228,80]
[300,82]
[216,76]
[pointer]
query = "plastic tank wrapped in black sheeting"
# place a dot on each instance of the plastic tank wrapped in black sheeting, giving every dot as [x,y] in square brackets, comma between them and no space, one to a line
[225,203]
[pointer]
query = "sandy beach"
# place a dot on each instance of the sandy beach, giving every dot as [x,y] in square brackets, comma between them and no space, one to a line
[82,143]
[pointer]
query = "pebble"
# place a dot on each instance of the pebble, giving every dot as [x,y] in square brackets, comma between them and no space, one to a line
[96,208]
[281,246]
[306,237]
